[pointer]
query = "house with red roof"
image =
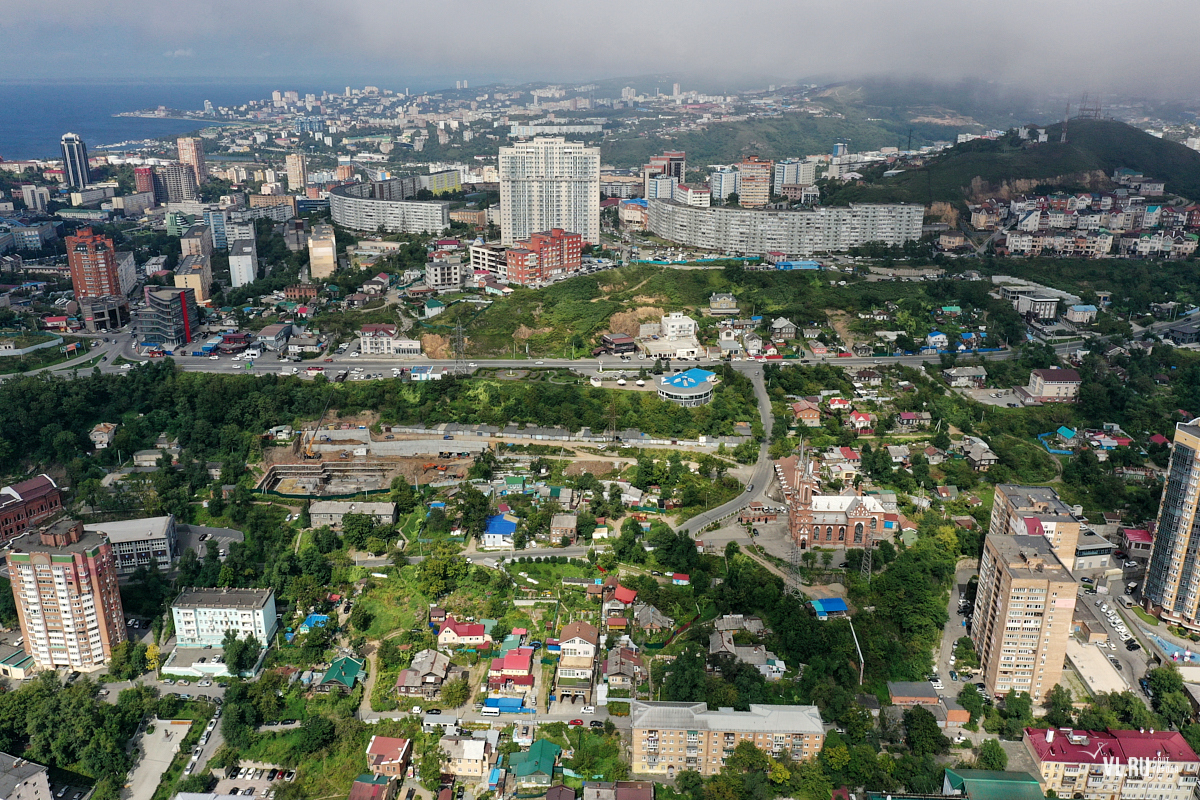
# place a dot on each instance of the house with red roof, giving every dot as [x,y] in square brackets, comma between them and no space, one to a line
[681,579]
[1137,542]
[862,422]
[461,634]
[23,505]
[514,670]
[1112,763]
[1158,438]
[807,413]
[839,403]
[621,600]
[388,755]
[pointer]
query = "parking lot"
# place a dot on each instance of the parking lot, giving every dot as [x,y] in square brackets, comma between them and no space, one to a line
[253,780]
[1004,398]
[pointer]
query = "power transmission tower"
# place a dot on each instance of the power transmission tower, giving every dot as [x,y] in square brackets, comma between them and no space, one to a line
[793,583]
[867,558]
[1066,114]
[460,349]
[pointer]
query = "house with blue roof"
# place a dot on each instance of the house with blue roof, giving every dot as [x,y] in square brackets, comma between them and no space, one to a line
[828,607]
[938,340]
[1083,314]
[499,531]
[689,389]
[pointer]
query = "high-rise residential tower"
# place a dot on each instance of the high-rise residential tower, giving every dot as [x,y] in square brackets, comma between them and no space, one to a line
[322,252]
[548,183]
[93,262]
[1173,575]
[755,176]
[76,171]
[68,602]
[191,152]
[1023,611]
[297,172]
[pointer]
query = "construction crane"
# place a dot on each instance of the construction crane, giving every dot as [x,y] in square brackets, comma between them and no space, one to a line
[309,453]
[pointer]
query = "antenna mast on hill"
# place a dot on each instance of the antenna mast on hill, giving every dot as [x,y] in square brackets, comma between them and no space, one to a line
[1066,115]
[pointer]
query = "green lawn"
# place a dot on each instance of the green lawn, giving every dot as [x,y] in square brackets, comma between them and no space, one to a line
[1143,616]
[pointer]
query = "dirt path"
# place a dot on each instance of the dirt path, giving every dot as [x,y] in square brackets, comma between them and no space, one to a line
[841,323]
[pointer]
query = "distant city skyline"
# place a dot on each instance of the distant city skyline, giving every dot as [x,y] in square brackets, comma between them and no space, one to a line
[938,39]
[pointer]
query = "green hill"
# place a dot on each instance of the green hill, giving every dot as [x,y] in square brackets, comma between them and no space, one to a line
[985,167]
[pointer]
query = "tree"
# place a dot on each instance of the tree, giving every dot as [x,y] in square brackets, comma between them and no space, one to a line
[992,756]
[922,734]
[455,693]
[1059,709]
[361,618]
[357,529]
[316,732]
[1174,707]
[690,782]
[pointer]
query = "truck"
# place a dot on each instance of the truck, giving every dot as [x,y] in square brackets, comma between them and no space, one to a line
[1126,601]
[1130,587]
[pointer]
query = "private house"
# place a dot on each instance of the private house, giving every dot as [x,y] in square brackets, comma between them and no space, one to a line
[388,756]
[807,413]
[455,634]
[783,328]
[103,434]
[535,766]
[426,675]
[342,675]
[563,525]
[466,757]
[722,305]
[937,340]
[624,669]
[650,619]
[512,672]
[579,639]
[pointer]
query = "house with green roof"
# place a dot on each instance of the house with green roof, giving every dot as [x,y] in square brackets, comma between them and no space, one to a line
[986,784]
[342,675]
[535,766]
[433,308]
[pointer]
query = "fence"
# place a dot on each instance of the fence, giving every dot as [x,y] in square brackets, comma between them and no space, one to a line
[1042,437]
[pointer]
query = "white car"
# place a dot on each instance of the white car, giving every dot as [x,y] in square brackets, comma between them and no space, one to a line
[205,682]
[214,358]
[937,685]
[126,366]
[355,354]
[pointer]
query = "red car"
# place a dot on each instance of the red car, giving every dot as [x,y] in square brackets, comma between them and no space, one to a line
[329,361]
[575,723]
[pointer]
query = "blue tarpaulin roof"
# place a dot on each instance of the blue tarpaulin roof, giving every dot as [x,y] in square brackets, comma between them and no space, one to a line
[503,524]
[829,605]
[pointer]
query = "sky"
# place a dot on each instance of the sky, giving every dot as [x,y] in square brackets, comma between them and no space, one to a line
[1072,45]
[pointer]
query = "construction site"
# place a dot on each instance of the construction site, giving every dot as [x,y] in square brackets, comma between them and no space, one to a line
[342,459]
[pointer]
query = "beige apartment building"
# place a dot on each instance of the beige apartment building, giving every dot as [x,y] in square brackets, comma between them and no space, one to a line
[297,172]
[64,582]
[1172,585]
[191,152]
[1124,764]
[322,252]
[195,272]
[671,737]
[1035,511]
[755,186]
[1023,612]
